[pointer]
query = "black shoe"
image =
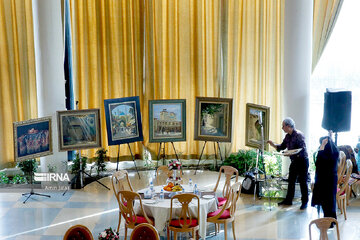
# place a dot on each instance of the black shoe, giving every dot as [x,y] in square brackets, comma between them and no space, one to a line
[285,202]
[303,206]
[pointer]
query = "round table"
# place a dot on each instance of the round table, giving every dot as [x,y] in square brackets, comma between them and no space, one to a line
[160,210]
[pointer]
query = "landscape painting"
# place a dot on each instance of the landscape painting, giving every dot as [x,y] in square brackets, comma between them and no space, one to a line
[123,120]
[167,120]
[32,138]
[213,119]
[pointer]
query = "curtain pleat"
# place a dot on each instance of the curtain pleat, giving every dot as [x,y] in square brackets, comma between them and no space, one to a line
[108,56]
[17,71]
[325,13]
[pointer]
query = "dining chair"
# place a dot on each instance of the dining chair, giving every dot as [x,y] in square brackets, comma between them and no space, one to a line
[126,206]
[323,224]
[161,172]
[144,231]
[343,188]
[226,213]
[229,172]
[120,181]
[78,232]
[185,222]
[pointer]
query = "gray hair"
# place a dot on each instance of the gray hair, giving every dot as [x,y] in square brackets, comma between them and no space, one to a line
[289,122]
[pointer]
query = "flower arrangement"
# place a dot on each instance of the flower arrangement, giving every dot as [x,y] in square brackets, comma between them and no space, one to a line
[108,234]
[174,165]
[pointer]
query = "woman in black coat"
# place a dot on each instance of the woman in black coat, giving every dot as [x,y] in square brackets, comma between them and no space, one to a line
[325,187]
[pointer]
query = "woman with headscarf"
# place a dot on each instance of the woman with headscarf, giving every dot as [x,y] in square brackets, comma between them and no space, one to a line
[325,187]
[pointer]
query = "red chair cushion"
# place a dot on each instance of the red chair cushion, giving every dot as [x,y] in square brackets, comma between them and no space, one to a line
[221,201]
[342,192]
[224,215]
[79,233]
[144,233]
[176,222]
[141,219]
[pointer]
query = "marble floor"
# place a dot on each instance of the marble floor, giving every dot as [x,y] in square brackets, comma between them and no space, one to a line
[96,207]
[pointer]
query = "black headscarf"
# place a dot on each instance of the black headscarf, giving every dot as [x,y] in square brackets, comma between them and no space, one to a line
[330,148]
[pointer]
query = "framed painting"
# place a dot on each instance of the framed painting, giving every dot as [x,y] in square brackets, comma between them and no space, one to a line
[253,125]
[213,119]
[167,120]
[79,129]
[32,138]
[123,120]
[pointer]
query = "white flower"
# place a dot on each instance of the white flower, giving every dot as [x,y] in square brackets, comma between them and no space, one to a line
[103,234]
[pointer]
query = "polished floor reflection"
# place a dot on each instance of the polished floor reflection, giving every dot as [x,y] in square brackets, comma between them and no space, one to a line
[96,207]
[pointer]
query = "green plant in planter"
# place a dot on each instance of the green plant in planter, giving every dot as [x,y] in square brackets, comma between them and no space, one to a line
[3,178]
[17,179]
[243,160]
[75,168]
[100,160]
[28,167]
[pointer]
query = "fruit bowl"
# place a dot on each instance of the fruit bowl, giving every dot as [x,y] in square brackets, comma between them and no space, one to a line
[172,188]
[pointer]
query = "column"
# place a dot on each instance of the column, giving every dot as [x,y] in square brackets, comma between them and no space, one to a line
[297,62]
[49,56]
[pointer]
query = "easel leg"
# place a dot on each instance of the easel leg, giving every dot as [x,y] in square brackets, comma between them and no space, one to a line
[158,157]
[200,158]
[117,159]
[133,158]
[32,190]
[215,156]
[222,161]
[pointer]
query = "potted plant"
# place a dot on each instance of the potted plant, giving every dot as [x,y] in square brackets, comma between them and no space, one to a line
[28,167]
[100,160]
[108,234]
[75,169]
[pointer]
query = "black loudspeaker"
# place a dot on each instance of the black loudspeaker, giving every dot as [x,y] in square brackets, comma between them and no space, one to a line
[337,110]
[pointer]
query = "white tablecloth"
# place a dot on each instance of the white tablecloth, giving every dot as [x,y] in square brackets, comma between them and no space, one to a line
[160,211]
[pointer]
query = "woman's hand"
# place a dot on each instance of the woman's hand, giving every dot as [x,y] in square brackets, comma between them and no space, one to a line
[323,143]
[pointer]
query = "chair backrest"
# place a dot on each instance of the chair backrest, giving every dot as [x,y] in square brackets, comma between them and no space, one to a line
[185,218]
[229,172]
[350,154]
[341,166]
[160,172]
[231,201]
[78,232]
[344,184]
[144,231]
[126,206]
[323,224]
[120,181]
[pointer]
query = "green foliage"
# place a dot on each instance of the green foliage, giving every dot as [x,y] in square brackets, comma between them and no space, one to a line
[28,166]
[3,178]
[211,109]
[17,179]
[75,168]
[100,160]
[244,160]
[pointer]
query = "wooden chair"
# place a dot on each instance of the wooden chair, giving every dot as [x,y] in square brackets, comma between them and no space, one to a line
[126,201]
[341,166]
[226,213]
[343,187]
[164,171]
[120,181]
[229,172]
[323,224]
[185,222]
[78,232]
[144,231]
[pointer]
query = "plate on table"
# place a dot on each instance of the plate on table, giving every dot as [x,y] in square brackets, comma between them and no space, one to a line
[150,201]
[208,196]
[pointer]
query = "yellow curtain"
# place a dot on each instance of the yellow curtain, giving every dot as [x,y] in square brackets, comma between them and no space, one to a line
[17,71]
[253,61]
[182,60]
[324,18]
[107,39]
